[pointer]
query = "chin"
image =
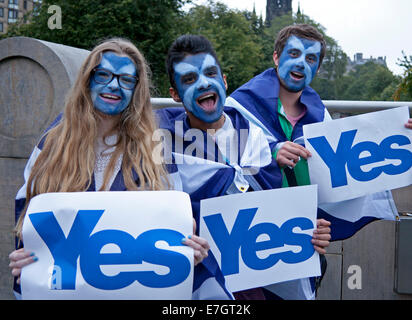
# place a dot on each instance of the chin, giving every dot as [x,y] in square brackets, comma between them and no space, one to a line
[294,89]
[211,119]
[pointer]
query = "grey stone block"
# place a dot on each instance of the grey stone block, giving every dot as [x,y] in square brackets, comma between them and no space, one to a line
[372,249]
[330,288]
[11,173]
[35,78]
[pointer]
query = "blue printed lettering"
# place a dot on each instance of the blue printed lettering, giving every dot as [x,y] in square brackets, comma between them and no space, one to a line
[354,158]
[229,243]
[65,251]
[244,239]
[80,245]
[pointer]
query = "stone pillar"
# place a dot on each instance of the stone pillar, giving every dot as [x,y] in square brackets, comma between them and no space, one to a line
[35,77]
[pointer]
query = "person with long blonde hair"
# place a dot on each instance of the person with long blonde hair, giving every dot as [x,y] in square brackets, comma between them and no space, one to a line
[102,141]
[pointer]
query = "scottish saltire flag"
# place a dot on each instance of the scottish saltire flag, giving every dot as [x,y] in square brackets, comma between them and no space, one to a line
[208,283]
[257,100]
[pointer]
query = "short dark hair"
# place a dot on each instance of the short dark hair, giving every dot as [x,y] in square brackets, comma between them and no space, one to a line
[302,31]
[183,46]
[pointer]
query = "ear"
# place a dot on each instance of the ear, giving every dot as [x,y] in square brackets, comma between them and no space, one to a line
[275,58]
[225,80]
[175,96]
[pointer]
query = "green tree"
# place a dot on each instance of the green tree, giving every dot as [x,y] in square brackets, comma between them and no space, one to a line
[370,81]
[233,37]
[403,91]
[150,24]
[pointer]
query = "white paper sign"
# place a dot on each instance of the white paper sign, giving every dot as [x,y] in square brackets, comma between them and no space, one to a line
[360,155]
[108,245]
[263,237]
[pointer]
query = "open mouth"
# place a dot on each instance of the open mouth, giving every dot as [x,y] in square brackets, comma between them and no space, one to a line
[296,75]
[110,98]
[207,101]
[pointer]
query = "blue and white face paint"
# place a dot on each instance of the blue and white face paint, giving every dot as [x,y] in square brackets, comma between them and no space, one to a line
[200,86]
[299,63]
[111,98]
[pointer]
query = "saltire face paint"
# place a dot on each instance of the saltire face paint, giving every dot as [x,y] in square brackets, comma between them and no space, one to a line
[200,86]
[112,98]
[298,63]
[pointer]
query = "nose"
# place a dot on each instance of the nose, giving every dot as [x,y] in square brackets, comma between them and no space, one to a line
[114,84]
[203,83]
[300,65]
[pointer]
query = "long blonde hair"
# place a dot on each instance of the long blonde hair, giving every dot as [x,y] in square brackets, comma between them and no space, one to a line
[67,160]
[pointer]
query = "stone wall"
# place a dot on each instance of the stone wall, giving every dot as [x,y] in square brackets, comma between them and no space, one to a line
[35,77]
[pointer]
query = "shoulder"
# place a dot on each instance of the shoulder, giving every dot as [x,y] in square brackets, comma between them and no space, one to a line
[267,79]
[166,117]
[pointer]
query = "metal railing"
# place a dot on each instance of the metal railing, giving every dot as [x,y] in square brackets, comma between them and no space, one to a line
[343,106]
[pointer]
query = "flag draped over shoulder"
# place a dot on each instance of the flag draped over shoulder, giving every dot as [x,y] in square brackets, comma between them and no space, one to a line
[209,170]
[257,100]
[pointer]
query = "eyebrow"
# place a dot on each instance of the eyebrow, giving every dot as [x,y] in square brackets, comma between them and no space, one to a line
[184,68]
[298,44]
[128,68]
[315,49]
[208,62]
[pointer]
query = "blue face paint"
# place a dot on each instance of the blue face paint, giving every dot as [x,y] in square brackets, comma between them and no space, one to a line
[200,86]
[110,98]
[299,63]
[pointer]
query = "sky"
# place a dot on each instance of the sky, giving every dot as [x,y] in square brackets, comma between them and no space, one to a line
[376,28]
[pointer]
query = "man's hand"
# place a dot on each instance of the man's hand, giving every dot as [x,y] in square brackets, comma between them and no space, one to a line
[409,124]
[321,236]
[289,154]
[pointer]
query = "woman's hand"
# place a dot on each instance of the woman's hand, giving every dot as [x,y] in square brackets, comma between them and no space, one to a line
[200,247]
[321,236]
[19,259]
[198,244]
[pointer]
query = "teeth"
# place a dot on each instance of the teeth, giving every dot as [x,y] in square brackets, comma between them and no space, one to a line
[206,97]
[109,96]
[297,74]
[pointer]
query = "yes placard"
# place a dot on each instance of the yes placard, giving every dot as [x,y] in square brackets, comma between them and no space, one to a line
[360,155]
[108,245]
[263,237]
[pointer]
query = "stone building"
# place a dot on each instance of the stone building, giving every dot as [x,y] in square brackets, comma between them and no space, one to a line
[13,10]
[276,8]
[358,59]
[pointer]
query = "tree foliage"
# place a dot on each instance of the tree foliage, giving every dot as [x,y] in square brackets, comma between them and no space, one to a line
[403,91]
[150,24]
[233,37]
[368,82]
[243,42]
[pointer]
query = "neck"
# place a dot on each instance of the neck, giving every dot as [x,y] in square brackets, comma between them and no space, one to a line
[290,101]
[106,124]
[196,123]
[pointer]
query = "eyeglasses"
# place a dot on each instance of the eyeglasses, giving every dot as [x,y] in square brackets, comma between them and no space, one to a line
[104,76]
